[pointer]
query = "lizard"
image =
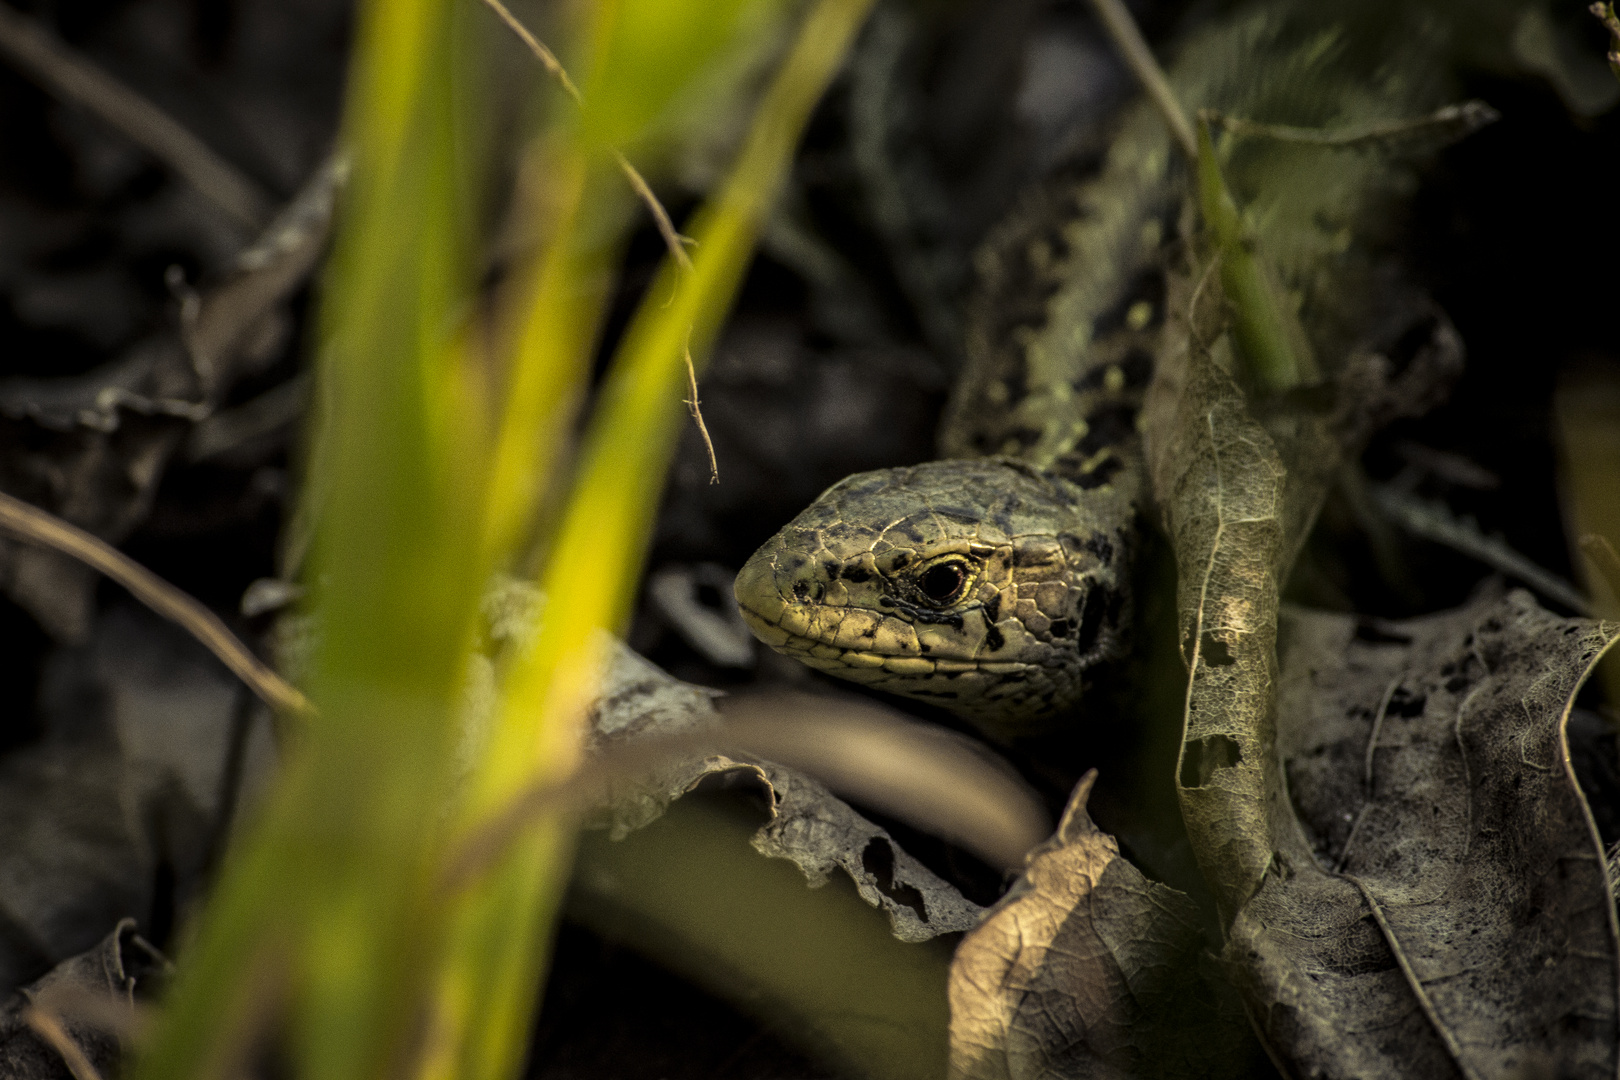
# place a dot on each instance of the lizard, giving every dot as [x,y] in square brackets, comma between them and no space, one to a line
[991,581]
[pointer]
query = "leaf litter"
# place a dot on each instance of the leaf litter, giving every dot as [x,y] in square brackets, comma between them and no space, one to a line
[123,805]
[808,824]
[1410,954]
[1472,864]
[1456,900]
[76,1013]
[93,448]
[1087,968]
[1331,787]
[1464,924]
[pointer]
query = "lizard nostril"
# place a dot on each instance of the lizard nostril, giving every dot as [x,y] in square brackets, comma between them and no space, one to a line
[801,589]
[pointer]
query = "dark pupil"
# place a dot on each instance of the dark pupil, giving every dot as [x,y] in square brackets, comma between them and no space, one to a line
[941,583]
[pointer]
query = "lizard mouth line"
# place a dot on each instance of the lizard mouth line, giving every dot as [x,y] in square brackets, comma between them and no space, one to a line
[820,653]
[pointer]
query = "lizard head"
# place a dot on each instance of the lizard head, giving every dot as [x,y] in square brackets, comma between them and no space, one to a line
[982,586]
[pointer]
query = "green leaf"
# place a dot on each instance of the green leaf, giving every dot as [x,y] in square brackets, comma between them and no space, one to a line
[1272,344]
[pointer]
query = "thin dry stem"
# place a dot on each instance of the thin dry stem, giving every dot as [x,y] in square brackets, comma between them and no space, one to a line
[673,240]
[49,1028]
[1435,522]
[697,413]
[269,271]
[1133,48]
[106,1012]
[536,46]
[1448,123]
[666,228]
[37,526]
[74,78]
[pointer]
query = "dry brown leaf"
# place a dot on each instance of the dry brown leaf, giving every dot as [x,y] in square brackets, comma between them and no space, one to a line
[808,825]
[1238,483]
[1088,969]
[92,448]
[1466,928]
[1235,513]
[1456,918]
[103,978]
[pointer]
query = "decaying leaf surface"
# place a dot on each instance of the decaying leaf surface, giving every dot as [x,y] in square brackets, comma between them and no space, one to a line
[1458,921]
[81,994]
[1449,913]
[809,825]
[119,809]
[93,448]
[1087,969]
[1237,489]
[1235,512]
[1456,918]
[1338,984]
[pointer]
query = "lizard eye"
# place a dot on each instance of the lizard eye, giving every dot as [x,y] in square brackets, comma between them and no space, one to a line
[943,582]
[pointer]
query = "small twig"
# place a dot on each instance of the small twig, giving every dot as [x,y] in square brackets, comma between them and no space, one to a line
[666,228]
[1452,468]
[694,406]
[279,407]
[74,78]
[548,59]
[1133,48]
[1434,521]
[30,523]
[536,46]
[1446,124]
[115,1015]
[271,269]
[673,240]
[50,1029]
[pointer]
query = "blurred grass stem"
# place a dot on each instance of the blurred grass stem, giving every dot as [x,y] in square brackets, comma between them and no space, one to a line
[74,78]
[1133,49]
[310,933]
[30,523]
[489,985]
[1268,334]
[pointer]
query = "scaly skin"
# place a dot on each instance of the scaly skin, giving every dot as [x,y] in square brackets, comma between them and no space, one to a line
[1025,577]
[1039,506]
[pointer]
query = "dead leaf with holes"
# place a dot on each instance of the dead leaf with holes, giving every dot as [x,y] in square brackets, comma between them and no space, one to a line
[1458,921]
[808,824]
[1452,895]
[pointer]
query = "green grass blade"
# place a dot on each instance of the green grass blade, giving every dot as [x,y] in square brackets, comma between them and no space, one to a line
[561,298]
[652,69]
[309,923]
[491,979]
